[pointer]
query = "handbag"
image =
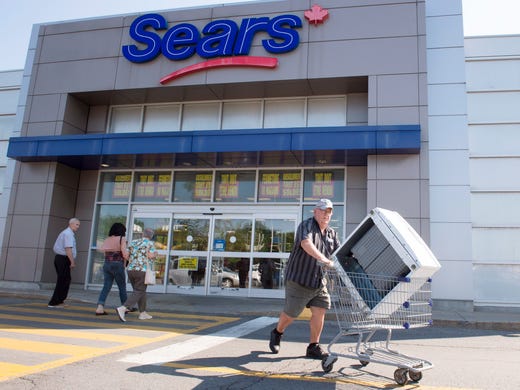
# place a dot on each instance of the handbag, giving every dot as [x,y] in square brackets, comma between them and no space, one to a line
[149,278]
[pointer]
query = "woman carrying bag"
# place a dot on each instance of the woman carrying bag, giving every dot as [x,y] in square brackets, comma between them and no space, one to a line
[142,255]
[116,256]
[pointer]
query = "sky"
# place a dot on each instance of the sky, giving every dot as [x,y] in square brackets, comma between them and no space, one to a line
[481,17]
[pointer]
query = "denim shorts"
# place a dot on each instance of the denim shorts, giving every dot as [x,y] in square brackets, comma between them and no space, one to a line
[298,297]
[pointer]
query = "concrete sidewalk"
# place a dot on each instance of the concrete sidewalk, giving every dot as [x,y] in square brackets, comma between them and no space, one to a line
[508,320]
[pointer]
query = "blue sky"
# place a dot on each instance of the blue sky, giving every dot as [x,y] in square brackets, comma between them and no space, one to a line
[481,17]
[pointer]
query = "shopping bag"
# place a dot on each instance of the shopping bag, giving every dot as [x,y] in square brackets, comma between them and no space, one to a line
[150,274]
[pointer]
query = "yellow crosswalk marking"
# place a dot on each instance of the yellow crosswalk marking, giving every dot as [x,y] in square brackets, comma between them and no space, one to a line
[56,337]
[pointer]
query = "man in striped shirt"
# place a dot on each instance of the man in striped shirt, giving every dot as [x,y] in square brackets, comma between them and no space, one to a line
[305,286]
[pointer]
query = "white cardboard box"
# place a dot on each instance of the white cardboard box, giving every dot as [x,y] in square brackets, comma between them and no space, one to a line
[385,245]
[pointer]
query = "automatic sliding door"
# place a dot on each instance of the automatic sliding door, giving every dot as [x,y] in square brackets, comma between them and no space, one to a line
[230,254]
[273,242]
[189,253]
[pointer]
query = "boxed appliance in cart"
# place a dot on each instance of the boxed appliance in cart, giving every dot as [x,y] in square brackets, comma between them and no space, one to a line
[379,259]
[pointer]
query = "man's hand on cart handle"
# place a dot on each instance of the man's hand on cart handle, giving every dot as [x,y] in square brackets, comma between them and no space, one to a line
[324,262]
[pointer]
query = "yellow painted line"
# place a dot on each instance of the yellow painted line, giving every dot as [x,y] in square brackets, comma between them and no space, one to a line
[74,307]
[133,333]
[13,371]
[144,325]
[198,322]
[53,348]
[307,378]
[81,334]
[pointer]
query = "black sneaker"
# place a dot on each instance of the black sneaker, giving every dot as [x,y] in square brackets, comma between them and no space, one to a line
[274,343]
[314,351]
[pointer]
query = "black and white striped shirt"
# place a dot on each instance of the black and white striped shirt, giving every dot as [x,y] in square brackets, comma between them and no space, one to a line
[303,268]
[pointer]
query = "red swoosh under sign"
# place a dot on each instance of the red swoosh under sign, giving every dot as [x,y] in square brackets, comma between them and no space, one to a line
[259,62]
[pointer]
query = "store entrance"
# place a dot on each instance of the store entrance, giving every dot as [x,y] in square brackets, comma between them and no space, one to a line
[233,251]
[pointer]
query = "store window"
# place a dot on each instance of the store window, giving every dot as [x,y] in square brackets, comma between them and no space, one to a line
[235,186]
[190,234]
[162,118]
[279,186]
[312,111]
[327,112]
[152,186]
[115,187]
[284,113]
[126,119]
[324,183]
[201,116]
[274,235]
[268,273]
[242,115]
[232,235]
[192,186]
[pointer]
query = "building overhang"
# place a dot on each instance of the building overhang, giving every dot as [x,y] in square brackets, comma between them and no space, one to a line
[345,145]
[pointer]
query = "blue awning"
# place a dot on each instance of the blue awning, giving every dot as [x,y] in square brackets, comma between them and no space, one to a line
[358,141]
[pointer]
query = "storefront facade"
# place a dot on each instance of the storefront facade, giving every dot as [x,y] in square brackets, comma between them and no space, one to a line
[220,128]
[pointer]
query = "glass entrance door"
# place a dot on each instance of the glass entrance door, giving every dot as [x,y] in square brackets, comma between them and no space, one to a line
[229,253]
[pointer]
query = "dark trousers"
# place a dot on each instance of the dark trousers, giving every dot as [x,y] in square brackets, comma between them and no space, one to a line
[62,265]
[138,296]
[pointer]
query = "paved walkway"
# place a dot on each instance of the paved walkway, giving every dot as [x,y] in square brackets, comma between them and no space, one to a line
[497,319]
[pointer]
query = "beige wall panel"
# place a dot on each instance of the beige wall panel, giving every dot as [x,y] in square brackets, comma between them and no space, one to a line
[74,46]
[16,257]
[401,196]
[30,199]
[76,76]
[363,57]
[25,231]
[398,90]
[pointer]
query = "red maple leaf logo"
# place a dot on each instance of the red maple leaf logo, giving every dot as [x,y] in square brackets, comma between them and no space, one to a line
[316,14]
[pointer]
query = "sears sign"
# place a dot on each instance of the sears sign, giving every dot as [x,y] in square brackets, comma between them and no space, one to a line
[222,39]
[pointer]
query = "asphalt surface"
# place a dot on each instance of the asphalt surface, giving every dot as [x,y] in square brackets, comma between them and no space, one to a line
[492,319]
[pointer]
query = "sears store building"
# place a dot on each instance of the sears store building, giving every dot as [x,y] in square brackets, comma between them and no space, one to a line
[219,127]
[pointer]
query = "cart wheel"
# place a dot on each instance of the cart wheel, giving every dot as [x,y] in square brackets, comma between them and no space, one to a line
[400,376]
[364,362]
[328,363]
[416,376]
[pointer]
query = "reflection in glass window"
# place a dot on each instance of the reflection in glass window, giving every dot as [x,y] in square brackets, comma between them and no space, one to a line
[235,186]
[192,186]
[232,235]
[279,186]
[274,235]
[190,234]
[107,215]
[152,186]
[115,186]
[268,273]
[125,120]
[324,183]
[161,230]
[187,271]
[97,259]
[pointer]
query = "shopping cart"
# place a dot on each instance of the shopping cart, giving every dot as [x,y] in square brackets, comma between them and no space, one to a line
[365,304]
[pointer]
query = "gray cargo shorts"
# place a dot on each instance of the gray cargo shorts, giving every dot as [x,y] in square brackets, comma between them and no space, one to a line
[298,297]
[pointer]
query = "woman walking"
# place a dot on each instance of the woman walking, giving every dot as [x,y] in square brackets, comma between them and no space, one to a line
[116,255]
[142,253]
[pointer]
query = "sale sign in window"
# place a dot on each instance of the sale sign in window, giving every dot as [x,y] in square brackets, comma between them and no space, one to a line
[323,186]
